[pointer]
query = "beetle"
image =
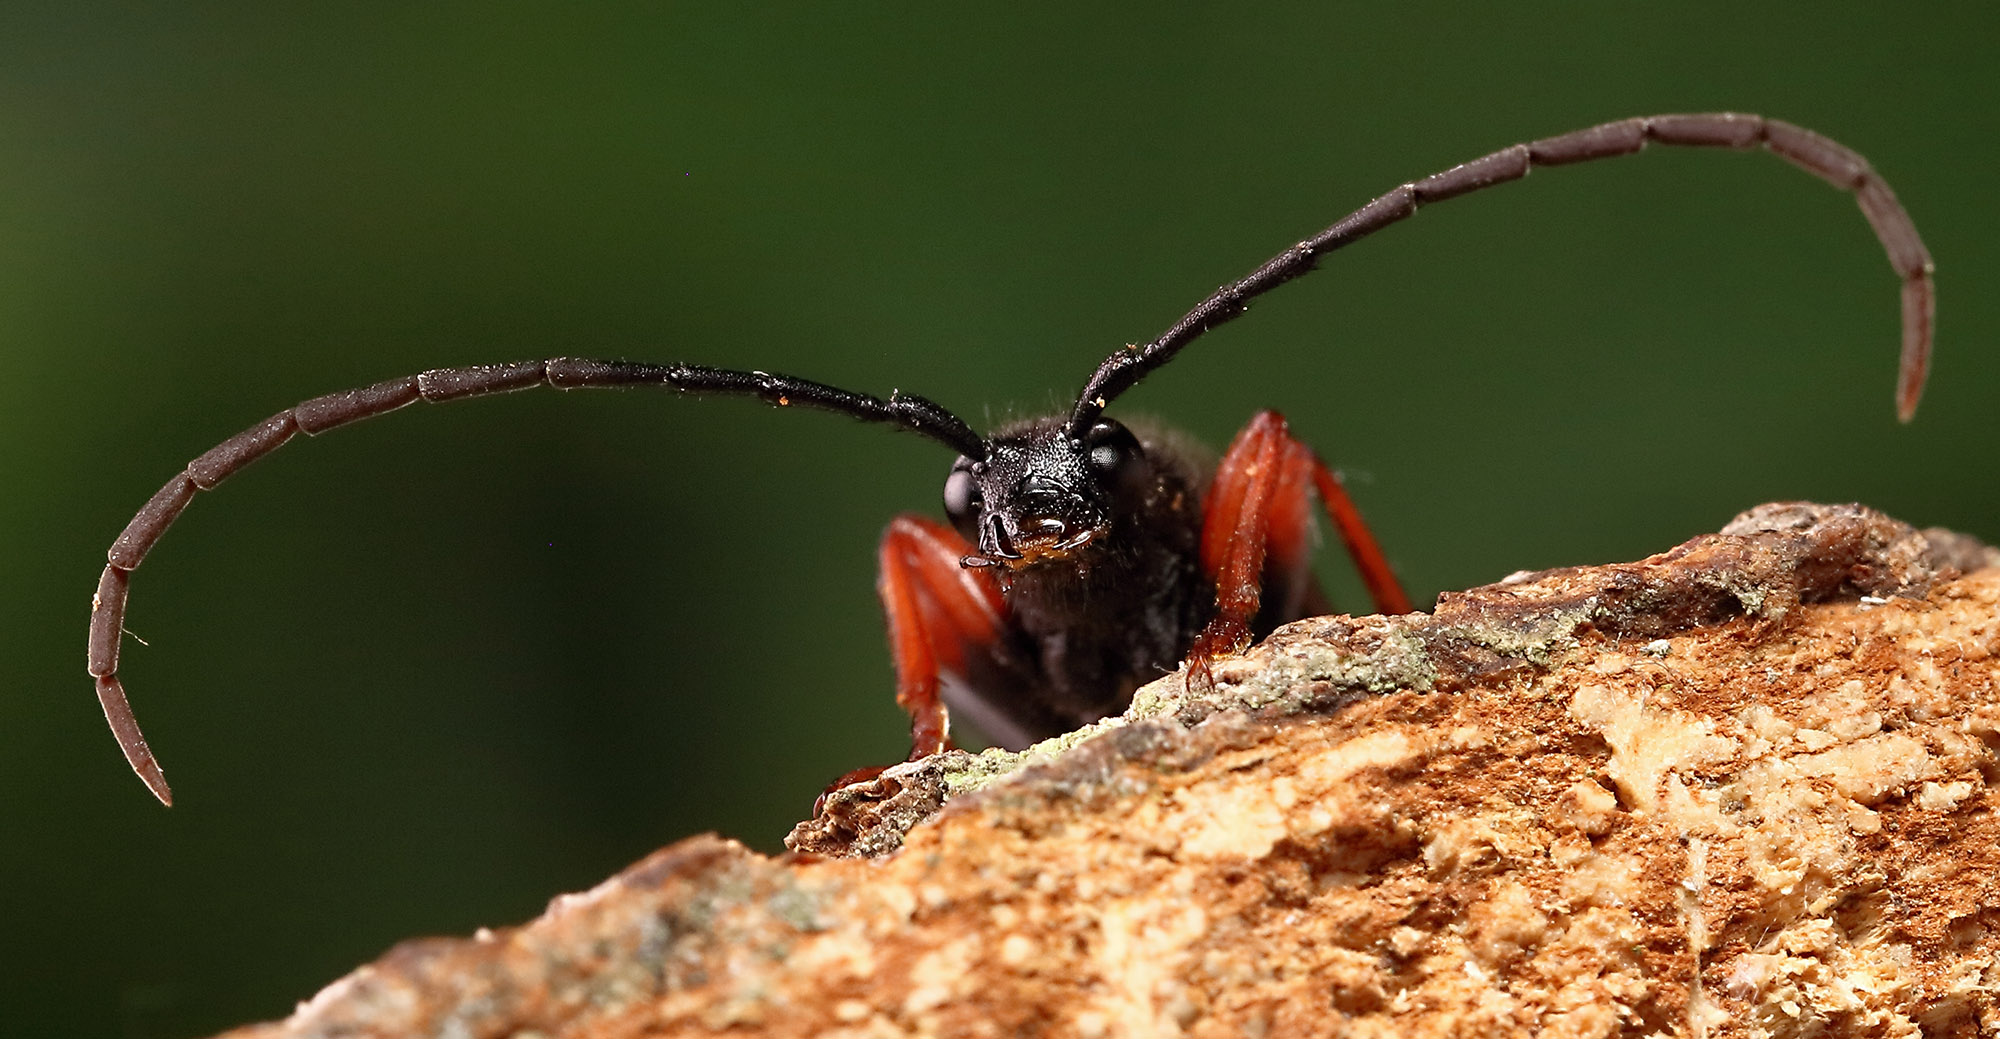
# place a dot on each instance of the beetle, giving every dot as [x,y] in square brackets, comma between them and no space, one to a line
[1081,556]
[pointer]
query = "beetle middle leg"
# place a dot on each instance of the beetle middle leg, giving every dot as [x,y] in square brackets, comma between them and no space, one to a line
[1256,540]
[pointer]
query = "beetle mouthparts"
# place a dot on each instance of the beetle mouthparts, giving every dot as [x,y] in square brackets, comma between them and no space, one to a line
[1026,550]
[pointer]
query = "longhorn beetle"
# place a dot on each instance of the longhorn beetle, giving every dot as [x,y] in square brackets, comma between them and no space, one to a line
[1082,556]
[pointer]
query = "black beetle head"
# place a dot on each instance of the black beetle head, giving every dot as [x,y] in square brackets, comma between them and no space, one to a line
[1040,495]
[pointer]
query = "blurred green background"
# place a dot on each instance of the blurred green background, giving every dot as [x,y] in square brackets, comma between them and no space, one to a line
[423,674]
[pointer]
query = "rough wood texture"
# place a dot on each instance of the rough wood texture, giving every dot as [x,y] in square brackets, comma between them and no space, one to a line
[1745,787]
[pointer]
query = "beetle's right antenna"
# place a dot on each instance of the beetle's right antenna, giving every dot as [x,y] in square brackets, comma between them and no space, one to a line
[107,608]
[1823,157]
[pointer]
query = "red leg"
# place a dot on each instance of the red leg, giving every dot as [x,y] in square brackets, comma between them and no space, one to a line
[1235,528]
[939,613]
[1361,547]
[1256,525]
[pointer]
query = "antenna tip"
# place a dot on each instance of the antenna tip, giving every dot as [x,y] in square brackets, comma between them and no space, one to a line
[1919,329]
[1910,384]
[118,711]
[156,781]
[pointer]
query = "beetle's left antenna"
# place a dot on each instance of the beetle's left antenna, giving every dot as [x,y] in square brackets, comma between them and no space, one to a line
[107,609]
[1820,156]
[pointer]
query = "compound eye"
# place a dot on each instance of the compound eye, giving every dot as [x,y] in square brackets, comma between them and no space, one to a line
[962,502]
[1111,445]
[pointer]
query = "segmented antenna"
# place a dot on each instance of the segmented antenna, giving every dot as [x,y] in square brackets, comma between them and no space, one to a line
[107,608]
[1823,157]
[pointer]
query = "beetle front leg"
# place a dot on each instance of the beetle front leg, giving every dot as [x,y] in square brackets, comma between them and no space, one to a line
[944,619]
[1256,532]
[940,613]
